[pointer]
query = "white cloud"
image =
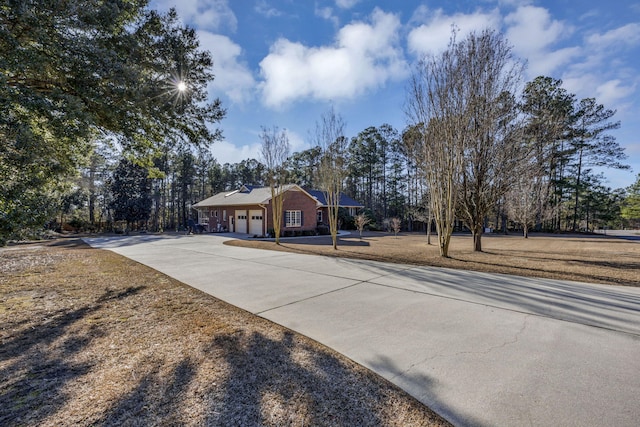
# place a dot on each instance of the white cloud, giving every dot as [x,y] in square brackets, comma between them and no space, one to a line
[627,35]
[603,72]
[610,93]
[581,84]
[613,91]
[227,152]
[433,35]
[364,57]
[232,77]
[532,29]
[212,15]
[590,14]
[547,63]
[533,33]
[263,8]
[590,85]
[514,3]
[327,13]
[346,4]
[296,141]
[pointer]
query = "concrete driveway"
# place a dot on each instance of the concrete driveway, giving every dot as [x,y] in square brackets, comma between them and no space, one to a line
[479,349]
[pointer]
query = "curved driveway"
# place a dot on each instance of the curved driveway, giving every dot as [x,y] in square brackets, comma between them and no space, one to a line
[480,349]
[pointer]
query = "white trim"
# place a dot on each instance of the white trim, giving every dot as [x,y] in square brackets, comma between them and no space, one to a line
[296,221]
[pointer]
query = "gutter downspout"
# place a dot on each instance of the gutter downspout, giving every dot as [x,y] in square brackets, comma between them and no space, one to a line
[265,220]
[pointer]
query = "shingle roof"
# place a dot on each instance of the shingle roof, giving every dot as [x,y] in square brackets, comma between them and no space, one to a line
[250,195]
[247,195]
[345,201]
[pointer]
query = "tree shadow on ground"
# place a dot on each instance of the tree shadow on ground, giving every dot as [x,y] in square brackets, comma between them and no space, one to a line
[594,305]
[420,386]
[348,240]
[38,362]
[313,386]
[543,271]
[70,243]
[142,406]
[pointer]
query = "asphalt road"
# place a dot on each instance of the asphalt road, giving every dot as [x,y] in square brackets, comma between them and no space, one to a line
[622,234]
[480,349]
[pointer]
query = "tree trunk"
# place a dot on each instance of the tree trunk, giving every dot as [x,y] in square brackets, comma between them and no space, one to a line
[334,239]
[443,230]
[277,203]
[477,238]
[333,219]
[526,232]
[444,246]
[92,195]
[577,195]
[587,216]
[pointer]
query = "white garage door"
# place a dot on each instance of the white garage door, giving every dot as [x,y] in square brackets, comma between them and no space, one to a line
[241,221]
[255,222]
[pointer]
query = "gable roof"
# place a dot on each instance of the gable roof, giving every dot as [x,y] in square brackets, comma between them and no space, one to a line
[252,195]
[243,196]
[246,195]
[345,201]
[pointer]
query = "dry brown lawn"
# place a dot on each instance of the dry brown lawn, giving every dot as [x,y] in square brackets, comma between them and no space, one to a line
[88,337]
[584,258]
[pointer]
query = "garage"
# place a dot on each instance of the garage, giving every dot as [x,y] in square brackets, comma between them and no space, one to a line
[241,221]
[255,222]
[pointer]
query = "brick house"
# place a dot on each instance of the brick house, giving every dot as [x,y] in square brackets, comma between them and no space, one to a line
[249,210]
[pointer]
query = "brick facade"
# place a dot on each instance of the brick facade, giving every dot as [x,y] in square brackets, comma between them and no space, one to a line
[297,200]
[249,211]
[219,218]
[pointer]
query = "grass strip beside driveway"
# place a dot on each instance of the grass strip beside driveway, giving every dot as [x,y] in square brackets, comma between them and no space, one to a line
[89,337]
[579,257]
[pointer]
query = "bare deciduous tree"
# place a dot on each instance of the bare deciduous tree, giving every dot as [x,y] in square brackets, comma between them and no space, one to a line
[275,151]
[434,103]
[361,221]
[523,200]
[493,143]
[425,216]
[462,101]
[332,170]
[395,224]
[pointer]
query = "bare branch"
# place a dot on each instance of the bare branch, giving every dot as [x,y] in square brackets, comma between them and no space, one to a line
[329,136]
[275,151]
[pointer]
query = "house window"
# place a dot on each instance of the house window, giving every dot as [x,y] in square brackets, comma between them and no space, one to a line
[224,215]
[203,217]
[319,217]
[215,213]
[293,219]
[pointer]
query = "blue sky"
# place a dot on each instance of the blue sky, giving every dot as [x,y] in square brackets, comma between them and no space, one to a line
[285,62]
